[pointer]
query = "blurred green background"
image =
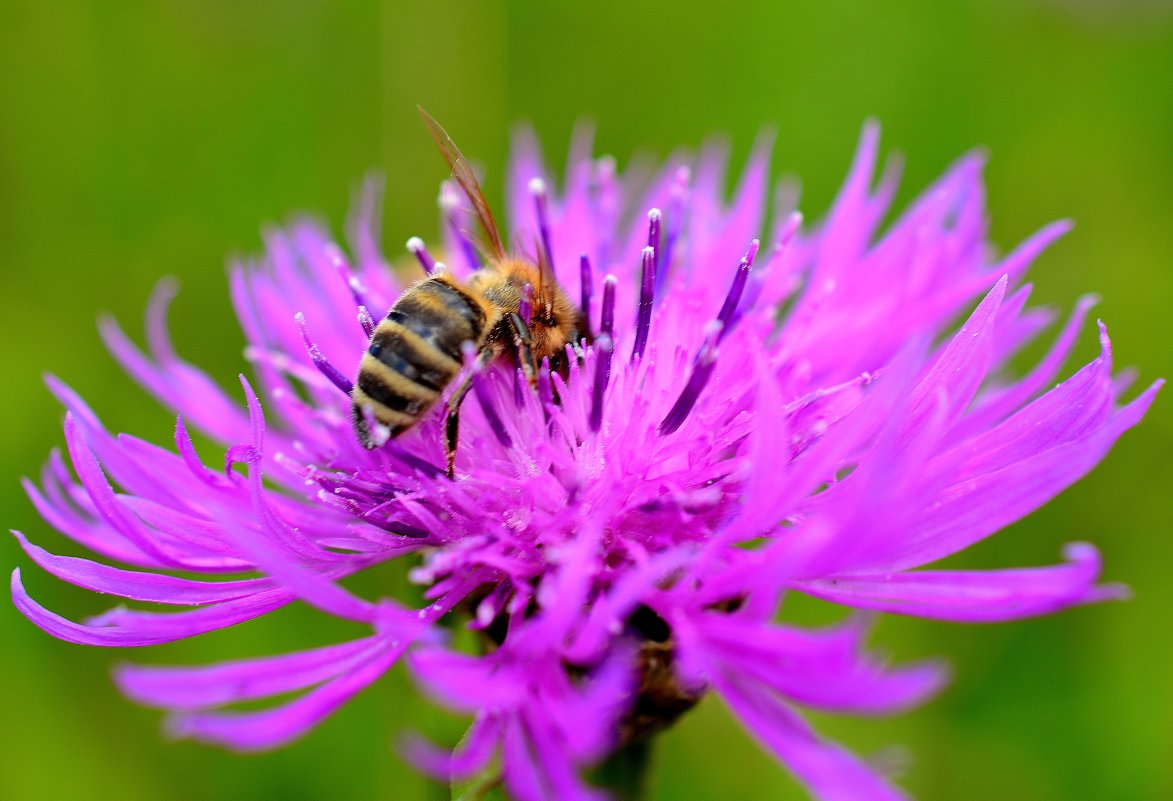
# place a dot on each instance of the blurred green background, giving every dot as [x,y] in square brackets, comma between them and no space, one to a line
[146,139]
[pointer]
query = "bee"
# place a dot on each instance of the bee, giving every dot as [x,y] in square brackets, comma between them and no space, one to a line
[416,351]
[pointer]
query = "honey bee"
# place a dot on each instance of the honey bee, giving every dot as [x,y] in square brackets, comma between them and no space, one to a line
[416,351]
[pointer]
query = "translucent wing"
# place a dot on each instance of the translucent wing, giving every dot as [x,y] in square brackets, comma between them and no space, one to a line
[468,182]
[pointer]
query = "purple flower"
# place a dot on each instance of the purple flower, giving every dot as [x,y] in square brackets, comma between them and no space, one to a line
[801,418]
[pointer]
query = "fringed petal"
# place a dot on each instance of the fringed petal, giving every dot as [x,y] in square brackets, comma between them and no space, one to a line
[830,772]
[139,586]
[972,596]
[194,688]
[120,628]
[270,728]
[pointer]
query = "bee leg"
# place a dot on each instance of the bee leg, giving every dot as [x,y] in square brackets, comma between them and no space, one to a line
[452,434]
[452,422]
[525,342]
[360,427]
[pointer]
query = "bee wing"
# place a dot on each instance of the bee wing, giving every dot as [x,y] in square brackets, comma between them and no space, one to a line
[468,182]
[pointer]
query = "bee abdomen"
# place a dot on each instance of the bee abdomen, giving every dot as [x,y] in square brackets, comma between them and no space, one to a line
[415,352]
[441,315]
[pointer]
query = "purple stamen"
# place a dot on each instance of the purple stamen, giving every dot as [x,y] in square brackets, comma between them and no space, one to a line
[366,321]
[725,316]
[646,297]
[420,251]
[406,457]
[324,366]
[607,323]
[586,279]
[491,416]
[537,188]
[394,526]
[706,360]
[604,349]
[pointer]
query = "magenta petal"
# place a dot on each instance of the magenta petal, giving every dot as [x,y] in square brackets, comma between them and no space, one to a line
[831,773]
[518,766]
[476,749]
[607,614]
[95,535]
[178,386]
[121,628]
[139,586]
[763,494]
[102,494]
[552,759]
[462,682]
[983,504]
[308,584]
[743,220]
[278,562]
[861,689]
[961,367]
[993,408]
[971,596]
[843,237]
[825,669]
[535,768]
[195,531]
[259,731]
[193,688]
[1069,412]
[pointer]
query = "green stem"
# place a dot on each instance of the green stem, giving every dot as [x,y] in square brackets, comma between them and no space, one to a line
[625,773]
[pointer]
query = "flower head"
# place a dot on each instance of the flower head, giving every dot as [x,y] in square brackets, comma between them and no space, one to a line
[751,416]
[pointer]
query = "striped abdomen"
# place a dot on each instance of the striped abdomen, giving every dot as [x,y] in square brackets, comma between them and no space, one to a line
[413,354]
